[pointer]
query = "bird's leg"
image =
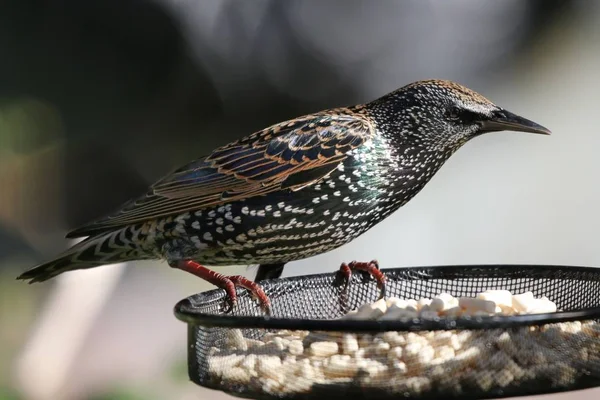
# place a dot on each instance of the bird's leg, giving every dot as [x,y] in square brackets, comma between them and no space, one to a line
[268,271]
[228,283]
[371,268]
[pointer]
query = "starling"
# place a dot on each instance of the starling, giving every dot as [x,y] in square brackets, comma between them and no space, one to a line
[293,190]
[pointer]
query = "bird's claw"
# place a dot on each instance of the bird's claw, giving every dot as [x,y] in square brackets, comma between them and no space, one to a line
[228,283]
[367,268]
[228,305]
[255,290]
[267,309]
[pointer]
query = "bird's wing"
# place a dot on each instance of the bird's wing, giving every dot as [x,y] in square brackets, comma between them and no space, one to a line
[290,155]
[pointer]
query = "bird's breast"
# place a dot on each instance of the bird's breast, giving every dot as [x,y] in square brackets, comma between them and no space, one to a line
[289,225]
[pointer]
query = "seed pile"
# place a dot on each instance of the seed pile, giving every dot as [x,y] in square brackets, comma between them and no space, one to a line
[490,302]
[413,363]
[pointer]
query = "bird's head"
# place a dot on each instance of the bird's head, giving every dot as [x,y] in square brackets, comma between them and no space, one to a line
[443,115]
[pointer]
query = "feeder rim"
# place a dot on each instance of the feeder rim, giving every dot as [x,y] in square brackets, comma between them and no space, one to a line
[186,311]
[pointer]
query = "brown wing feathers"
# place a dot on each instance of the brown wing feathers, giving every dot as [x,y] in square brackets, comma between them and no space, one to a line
[290,155]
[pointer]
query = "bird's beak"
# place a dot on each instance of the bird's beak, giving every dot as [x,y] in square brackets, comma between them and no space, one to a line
[503,120]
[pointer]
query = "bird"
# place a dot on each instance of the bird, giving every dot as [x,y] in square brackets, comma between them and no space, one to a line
[293,190]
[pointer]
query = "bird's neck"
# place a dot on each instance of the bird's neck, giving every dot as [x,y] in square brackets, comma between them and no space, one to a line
[398,163]
[414,157]
[408,169]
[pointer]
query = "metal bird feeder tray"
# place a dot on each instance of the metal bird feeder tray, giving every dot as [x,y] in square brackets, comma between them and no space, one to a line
[304,350]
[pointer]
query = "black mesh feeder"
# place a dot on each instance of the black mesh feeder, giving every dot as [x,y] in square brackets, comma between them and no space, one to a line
[306,349]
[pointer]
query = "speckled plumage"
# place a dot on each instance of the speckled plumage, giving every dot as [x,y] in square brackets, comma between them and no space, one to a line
[296,189]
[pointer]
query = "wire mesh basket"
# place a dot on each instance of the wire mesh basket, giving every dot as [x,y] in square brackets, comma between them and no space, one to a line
[305,350]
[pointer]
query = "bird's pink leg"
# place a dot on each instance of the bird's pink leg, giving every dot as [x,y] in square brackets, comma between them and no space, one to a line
[228,283]
[372,268]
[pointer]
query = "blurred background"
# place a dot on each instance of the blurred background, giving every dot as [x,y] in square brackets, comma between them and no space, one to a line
[100,98]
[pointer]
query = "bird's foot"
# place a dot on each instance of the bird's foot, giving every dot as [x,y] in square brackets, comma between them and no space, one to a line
[228,283]
[254,288]
[370,268]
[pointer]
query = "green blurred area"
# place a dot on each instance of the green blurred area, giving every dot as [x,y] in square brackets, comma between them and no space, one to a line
[28,125]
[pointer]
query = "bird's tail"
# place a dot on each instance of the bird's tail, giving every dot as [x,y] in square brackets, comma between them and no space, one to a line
[92,252]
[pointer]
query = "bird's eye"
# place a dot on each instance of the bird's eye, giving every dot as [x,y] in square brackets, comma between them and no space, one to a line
[453,113]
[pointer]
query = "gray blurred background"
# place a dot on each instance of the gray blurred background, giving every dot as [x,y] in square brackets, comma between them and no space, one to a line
[99,98]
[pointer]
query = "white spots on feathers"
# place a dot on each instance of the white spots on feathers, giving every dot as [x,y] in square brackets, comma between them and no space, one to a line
[342,206]
[198,243]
